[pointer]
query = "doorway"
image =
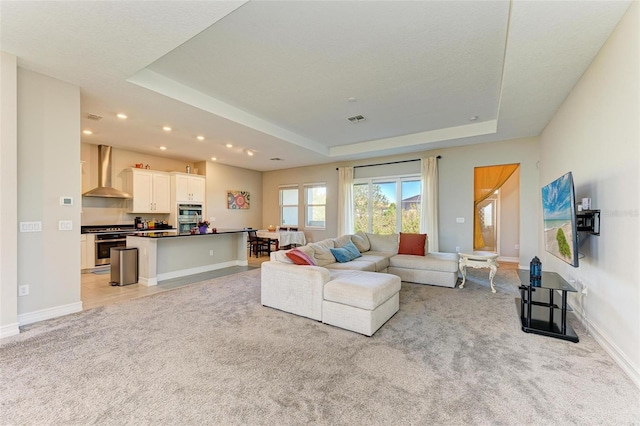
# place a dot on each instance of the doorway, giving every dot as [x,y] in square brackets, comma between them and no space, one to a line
[497,210]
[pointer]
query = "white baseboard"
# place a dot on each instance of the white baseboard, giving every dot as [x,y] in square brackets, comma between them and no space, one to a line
[620,358]
[45,314]
[9,330]
[508,259]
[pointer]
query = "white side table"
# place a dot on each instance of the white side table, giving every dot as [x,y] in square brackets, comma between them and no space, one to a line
[478,259]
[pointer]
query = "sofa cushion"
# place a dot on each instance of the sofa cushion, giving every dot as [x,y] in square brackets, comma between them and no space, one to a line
[412,244]
[442,262]
[300,258]
[322,252]
[379,259]
[361,241]
[364,290]
[356,265]
[387,243]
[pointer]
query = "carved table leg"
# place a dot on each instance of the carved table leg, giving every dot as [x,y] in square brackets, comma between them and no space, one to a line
[463,271]
[494,269]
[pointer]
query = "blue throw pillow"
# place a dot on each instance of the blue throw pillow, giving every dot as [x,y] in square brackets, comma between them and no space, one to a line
[352,249]
[346,253]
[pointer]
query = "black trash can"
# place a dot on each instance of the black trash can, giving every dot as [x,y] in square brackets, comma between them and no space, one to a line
[124,266]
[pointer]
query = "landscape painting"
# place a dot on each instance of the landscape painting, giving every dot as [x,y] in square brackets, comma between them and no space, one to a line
[558,218]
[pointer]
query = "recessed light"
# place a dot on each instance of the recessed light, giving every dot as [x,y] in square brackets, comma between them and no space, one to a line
[473,118]
[250,153]
[214,158]
[229,145]
[87,132]
[200,138]
[166,128]
[164,148]
[352,99]
[122,116]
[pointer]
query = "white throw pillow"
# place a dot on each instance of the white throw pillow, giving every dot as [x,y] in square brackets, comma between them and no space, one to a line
[342,241]
[387,243]
[322,252]
[361,241]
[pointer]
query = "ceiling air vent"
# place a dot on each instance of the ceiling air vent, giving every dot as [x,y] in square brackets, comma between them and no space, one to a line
[275,159]
[94,117]
[356,119]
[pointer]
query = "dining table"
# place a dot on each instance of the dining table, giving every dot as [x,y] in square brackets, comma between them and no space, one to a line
[283,238]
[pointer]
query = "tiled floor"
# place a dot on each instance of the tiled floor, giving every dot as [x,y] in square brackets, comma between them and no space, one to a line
[96,290]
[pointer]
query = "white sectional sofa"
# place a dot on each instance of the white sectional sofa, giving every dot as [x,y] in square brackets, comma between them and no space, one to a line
[359,295]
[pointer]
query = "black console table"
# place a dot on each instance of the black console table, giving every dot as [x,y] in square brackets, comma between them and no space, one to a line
[538,312]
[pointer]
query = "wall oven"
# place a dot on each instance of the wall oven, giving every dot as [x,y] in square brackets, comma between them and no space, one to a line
[104,243]
[188,217]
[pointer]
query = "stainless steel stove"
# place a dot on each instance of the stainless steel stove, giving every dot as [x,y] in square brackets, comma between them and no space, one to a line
[107,237]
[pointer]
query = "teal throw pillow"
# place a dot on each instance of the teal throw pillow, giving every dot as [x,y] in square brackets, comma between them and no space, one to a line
[346,253]
[352,249]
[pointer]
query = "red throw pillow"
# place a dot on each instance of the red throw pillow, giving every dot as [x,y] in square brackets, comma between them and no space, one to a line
[300,258]
[412,244]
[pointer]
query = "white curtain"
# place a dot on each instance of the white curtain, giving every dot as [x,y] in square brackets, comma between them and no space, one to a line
[429,201]
[345,200]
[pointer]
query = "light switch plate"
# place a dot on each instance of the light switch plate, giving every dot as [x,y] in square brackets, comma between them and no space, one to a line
[459,219]
[30,226]
[65,225]
[66,201]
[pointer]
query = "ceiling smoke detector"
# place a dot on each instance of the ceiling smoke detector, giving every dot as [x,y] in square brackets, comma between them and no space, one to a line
[356,119]
[94,117]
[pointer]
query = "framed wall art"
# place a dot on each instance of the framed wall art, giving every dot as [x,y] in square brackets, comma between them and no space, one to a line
[238,200]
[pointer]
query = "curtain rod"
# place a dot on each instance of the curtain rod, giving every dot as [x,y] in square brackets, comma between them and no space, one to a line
[390,162]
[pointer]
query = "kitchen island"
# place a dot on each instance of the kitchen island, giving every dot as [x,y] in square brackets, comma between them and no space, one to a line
[165,255]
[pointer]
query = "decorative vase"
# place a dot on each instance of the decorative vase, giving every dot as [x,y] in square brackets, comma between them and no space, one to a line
[202,229]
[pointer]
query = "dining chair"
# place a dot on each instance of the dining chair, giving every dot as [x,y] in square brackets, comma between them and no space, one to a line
[258,245]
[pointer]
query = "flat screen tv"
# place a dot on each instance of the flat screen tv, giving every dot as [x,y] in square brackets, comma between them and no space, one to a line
[559,217]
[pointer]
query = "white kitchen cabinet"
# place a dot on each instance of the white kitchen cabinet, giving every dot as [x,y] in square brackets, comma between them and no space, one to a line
[187,188]
[151,191]
[87,251]
[83,251]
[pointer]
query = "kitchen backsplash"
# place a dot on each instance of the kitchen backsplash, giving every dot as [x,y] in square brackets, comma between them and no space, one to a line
[111,211]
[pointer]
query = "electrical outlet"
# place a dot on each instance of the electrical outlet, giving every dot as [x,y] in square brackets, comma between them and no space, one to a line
[459,219]
[210,252]
[517,246]
[457,249]
[23,290]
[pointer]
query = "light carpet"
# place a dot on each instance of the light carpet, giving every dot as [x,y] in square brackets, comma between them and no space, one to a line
[209,353]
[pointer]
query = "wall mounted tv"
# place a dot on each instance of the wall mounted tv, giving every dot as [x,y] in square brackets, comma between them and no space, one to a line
[559,219]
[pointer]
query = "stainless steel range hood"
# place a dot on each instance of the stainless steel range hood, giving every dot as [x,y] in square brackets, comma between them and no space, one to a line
[104,189]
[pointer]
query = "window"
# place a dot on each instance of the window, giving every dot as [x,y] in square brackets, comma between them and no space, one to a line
[376,204]
[289,206]
[315,205]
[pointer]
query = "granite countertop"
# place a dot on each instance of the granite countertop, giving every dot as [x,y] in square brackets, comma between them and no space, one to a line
[174,235]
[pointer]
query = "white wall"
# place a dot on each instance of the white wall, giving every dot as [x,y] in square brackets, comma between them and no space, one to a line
[509,229]
[222,178]
[8,196]
[48,168]
[595,134]
[456,190]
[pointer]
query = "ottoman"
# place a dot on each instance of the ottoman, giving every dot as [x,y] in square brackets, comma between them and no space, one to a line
[360,301]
